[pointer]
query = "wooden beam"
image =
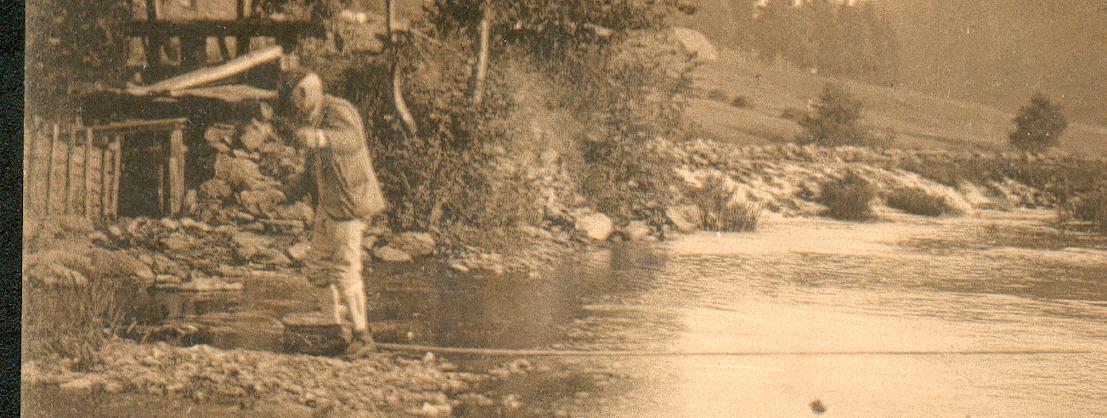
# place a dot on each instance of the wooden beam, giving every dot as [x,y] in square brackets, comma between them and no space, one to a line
[87,175]
[238,28]
[212,74]
[145,125]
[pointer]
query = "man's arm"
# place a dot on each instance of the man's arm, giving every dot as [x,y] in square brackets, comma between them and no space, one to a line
[341,130]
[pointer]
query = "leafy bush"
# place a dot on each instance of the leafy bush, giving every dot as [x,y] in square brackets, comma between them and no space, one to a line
[1038,125]
[917,201]
[717,210]
[836,121]
[850,198]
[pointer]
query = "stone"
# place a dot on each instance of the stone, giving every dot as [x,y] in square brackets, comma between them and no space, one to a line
[170,224]
[279,260]
[685,218]
[596,226]
[248,245]
[83,385]
[417,244]
[203,284]
[636,230]
[299,251]
[458,266]
[240,173]
[391,255]
[261,202]
[255,135]
[297,211]
[115,232]
[178,242]
[190,223]
[217,189]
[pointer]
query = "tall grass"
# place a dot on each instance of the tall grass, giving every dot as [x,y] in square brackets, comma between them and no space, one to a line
[849,198]
[718,212]
[70,322]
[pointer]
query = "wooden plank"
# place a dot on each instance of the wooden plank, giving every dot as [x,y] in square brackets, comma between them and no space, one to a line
[54,137]
[66,202]
[87,175]
[117,158]
[176,172]
[144,125]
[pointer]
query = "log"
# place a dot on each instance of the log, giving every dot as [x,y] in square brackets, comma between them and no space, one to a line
[211,74]
[481,73]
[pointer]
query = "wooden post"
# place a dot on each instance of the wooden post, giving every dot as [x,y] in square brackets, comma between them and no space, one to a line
[87,175]
[69,168]
[50,165]
[117,158]
[481,73]
[153,43]
[176,171]
[105,158]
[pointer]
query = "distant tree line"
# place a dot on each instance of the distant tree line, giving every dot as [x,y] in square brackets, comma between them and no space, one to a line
[837,39]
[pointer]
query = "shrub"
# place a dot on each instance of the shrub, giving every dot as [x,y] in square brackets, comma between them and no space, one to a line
[1092,207]
[917,201]
[850,198]
[740,102]
[1038,125]
[717,210]
[836,121]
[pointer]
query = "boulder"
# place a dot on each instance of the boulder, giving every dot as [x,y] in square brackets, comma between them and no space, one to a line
[217,189]
[82,385]
[204,284]
[636,230]
[685,218]
[178,242]
[596,226]
[261,202]
[417,244]
[391,255]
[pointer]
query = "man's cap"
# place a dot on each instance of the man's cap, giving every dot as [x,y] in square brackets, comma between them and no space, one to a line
[287,82]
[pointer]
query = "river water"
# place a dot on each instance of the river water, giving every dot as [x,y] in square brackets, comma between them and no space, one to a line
[946,289]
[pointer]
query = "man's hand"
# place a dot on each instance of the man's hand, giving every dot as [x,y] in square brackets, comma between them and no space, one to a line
[310,138]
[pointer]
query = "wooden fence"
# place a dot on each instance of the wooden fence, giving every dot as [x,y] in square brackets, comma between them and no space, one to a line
[77,170]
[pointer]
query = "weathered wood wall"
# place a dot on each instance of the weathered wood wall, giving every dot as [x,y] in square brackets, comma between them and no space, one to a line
[76,170]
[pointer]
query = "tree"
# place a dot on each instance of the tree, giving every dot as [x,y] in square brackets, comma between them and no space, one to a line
[836,120]
[1039,125]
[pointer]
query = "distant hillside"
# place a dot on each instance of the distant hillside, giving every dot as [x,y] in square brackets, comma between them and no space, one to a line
[997,52]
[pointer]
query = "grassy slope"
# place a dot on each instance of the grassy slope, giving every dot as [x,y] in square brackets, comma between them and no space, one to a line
[918,120]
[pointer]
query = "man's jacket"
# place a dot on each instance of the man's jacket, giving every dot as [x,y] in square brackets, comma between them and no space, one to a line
[347,185]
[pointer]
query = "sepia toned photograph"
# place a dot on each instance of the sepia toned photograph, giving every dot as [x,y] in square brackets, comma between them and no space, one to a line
[564,208]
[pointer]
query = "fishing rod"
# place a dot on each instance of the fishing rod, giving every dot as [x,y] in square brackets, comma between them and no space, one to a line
[500,352]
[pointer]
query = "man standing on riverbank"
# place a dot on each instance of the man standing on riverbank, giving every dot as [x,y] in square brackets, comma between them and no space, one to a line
[347,196]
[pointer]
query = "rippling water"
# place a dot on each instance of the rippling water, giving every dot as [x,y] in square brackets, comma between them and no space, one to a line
[999,282]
